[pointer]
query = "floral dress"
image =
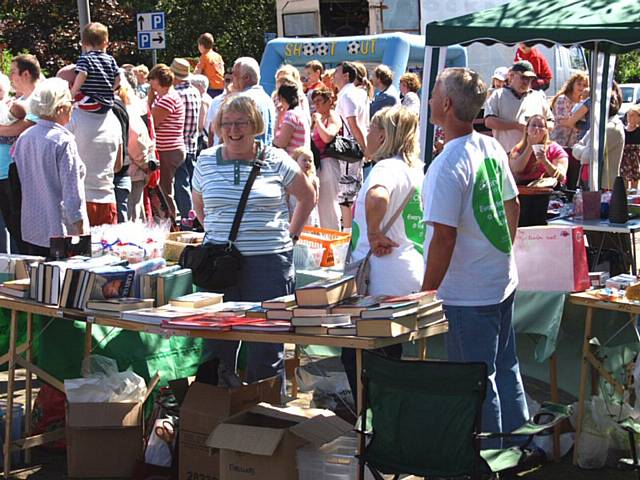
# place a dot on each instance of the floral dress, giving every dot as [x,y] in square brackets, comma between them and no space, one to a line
[565,136]
[630,165]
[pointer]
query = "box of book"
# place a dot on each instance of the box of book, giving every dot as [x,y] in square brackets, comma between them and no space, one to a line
[104,440]
[206,406]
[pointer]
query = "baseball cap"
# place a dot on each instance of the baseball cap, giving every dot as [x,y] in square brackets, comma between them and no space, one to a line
[501,73]
[524,67]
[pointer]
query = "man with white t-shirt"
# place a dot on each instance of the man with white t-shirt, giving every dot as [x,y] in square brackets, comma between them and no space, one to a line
[353,108]
[471,210]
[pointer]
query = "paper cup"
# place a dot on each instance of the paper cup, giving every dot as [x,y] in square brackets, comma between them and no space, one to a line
[537,149]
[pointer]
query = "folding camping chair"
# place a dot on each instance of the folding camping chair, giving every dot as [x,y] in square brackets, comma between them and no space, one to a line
[424,417]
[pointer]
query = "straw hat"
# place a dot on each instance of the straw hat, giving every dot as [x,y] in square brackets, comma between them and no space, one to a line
[180,68]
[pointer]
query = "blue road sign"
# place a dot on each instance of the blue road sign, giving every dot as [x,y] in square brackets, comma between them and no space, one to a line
[144,40]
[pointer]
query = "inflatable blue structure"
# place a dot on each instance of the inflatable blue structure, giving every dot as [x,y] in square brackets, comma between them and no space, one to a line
[396,50]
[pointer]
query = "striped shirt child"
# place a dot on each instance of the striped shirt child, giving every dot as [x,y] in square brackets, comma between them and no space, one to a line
[301,137]
[97,90]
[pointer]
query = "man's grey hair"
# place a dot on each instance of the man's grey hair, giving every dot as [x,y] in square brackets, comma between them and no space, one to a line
[466,90]
[200,81]
[250,67]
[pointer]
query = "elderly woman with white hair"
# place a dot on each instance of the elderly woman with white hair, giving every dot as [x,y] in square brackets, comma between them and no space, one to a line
[50,170]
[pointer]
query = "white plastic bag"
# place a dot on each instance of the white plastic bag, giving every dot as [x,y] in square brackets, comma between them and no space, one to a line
[102,382]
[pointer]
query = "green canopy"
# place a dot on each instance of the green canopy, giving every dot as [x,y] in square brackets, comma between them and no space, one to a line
[607,27]
[613,24]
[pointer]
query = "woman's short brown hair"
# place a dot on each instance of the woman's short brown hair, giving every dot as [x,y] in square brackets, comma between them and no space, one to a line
[324,92]
[411,80]
[244,105]
[163,74]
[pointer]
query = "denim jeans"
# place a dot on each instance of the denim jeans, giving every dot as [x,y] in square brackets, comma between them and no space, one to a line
[485,334]
[262,277]
[184,173]
[122,184]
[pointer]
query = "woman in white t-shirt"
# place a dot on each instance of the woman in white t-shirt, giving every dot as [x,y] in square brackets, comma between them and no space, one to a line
[397,267]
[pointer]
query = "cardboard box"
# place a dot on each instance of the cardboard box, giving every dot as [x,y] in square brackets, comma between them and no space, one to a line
[261,443]
[203,408]
[105,440]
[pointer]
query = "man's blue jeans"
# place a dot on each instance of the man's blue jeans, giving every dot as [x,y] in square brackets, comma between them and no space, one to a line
[485,334]
[182,185]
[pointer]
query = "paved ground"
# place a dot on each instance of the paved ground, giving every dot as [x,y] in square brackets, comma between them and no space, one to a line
[52,466]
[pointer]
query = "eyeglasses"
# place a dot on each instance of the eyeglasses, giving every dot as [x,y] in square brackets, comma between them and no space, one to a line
[525,79]
[537,127]
[239,124]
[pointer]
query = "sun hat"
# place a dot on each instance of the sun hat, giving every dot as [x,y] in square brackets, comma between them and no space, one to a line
[180,68]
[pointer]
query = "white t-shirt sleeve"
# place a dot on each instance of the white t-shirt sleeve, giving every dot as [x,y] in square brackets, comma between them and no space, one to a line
[491,108]
[382,175]
[509,186]
[348,107]
[443,194]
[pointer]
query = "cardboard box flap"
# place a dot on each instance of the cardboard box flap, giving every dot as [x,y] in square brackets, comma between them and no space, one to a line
[105,415]
[321,429]
[246,438]
[288,414]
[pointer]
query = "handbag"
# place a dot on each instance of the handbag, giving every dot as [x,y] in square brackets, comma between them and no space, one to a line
[361,269]
[345,147]
[215,267]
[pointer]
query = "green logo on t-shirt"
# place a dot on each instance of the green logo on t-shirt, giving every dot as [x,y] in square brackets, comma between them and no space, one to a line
[355,235]
[413,224]
[488,207]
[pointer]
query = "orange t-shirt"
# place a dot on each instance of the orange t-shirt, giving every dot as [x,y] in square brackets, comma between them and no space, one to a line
[212,67]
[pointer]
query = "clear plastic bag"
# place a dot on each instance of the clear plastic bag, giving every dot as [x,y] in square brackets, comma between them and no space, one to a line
[102,382]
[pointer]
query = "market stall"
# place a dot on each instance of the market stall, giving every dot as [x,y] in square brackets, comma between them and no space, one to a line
[604,27]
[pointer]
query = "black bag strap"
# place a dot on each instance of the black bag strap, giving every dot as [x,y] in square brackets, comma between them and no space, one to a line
[233,234]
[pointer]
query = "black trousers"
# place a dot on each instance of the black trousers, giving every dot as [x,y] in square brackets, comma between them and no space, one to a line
[10,205]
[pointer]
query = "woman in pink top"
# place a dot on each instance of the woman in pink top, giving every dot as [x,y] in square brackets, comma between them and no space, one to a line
[168,113]
[536,156]
[294,131]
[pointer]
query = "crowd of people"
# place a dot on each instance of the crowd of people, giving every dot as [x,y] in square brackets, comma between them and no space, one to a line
[84,147]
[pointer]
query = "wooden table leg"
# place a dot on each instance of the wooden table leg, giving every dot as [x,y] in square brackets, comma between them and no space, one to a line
[584,374]
[28,387]
[422,349]
[555,397]
[88,340]
[359,396]
[11,374]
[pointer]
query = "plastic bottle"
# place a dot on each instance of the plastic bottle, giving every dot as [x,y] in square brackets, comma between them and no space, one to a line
[578,207]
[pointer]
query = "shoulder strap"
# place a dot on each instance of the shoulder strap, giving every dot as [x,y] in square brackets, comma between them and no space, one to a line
[233,234]
[397,213]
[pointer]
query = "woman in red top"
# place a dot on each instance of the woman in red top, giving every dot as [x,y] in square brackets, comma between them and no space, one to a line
[536,156]
[167,111]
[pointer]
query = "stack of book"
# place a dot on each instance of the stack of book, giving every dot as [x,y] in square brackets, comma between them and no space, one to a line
[17,267]
[166,283]
[15,288]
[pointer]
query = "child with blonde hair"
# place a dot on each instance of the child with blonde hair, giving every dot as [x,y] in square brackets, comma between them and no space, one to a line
[304,158]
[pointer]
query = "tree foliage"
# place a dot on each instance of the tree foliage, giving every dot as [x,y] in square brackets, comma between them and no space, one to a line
[628,68]
[49,28]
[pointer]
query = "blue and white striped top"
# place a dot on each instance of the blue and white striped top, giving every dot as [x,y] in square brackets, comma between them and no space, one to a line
[264,228]
[101,69]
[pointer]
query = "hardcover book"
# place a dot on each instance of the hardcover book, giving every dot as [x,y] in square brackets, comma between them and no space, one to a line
[326,292]
[197,300]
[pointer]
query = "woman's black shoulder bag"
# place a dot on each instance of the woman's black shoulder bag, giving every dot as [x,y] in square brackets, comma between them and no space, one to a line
[215,267]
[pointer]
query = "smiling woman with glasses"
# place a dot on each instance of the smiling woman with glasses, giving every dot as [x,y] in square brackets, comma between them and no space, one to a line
[265,236]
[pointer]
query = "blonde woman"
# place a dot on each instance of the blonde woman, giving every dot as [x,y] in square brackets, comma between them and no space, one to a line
[536,156]
[393,185]
[291,73]
[397,266]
